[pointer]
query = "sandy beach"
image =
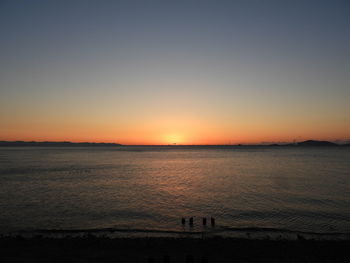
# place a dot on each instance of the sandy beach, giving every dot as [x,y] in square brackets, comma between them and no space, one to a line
[144,250]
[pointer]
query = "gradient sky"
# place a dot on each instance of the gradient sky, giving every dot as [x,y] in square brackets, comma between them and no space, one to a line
[187,72]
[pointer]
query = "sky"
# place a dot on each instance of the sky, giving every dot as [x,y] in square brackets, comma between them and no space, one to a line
[185,72]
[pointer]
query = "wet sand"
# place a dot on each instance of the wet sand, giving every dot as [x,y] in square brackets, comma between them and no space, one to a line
[144,250]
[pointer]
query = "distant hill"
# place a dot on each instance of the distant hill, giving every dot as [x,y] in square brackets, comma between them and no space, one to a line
[316,143]
[55,144]
[347,144]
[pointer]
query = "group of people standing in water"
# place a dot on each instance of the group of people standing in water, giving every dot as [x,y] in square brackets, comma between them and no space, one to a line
[204,221]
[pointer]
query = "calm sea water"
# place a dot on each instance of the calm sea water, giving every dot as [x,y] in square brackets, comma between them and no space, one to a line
[151,188]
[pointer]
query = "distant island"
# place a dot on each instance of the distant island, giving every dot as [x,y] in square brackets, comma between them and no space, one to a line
[317,143]
[307,143]
[56,144]
[311,143]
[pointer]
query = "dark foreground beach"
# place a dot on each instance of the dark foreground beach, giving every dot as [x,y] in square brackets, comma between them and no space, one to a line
[99,249]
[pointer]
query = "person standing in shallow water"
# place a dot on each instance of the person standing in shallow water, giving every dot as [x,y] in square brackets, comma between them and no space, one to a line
[212,221]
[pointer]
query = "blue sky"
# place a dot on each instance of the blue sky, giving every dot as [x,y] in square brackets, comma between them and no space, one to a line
[193,71]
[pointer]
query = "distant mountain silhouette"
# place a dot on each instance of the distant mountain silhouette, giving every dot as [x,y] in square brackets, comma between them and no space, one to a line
[55,144]
[316,143]
[303,144]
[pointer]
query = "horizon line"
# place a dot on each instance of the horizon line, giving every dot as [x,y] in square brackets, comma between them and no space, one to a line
[344,141]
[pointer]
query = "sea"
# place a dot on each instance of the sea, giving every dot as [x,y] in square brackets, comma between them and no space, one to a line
[139,191]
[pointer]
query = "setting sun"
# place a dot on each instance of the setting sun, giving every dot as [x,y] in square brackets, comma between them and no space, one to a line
[173,138]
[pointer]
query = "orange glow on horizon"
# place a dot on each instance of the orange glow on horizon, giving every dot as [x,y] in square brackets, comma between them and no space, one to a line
[173,139]
[179,130]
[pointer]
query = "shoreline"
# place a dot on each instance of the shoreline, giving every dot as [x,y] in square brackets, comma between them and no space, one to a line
[216,249]
[249,233]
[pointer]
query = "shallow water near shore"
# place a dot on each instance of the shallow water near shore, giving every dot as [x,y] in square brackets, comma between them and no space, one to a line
[140,191]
